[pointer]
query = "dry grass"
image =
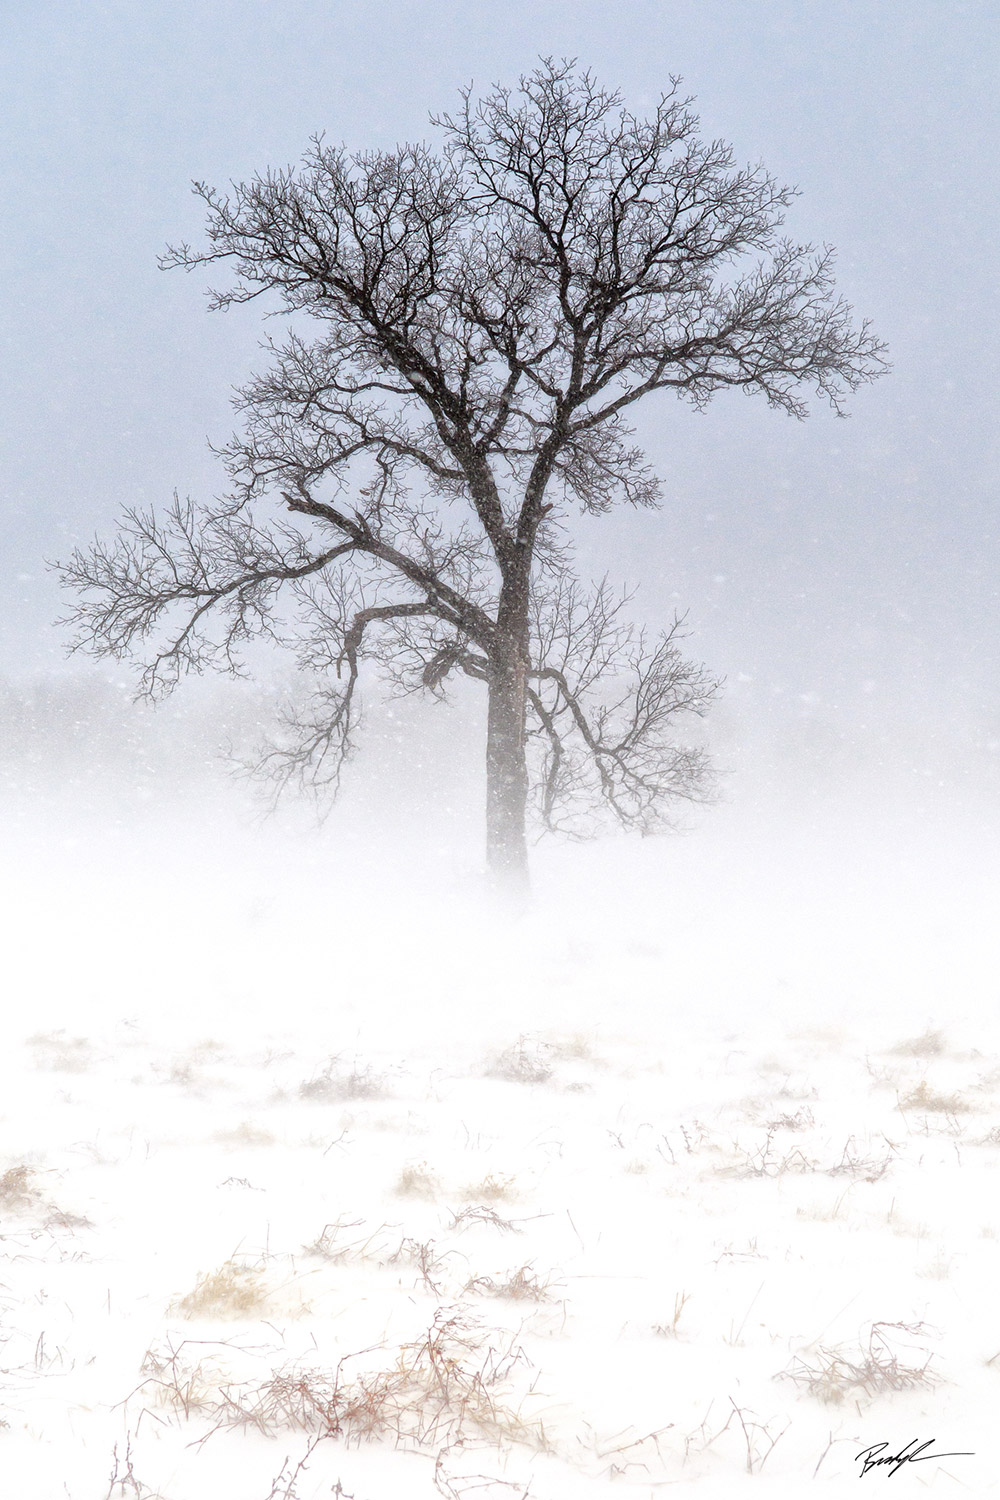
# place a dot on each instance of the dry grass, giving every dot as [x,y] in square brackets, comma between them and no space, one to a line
[521,1285]
[338,1244]
[824,1213]
[416,1180]
[883,1077]
[914,1229]
[874,1368]
[938,1268]
[18,1193]
[185,1385]
[122,1481]
[527,1061]
[755,1436]
[482,1214]
[58,1053]
[60,1218]
[424,1256]
[802,1119]
[764,1160]
[576,1048]
[340,1082]
[758,1439]
[453,1381]
[492,1189]
[670,1330]
[452,1486]
[859,1166]
[233,1291]
[925,1097]
[928,1044]
[284,1485]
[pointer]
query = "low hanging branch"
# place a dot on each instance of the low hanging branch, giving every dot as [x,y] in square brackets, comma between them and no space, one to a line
[484,320]
[606,708]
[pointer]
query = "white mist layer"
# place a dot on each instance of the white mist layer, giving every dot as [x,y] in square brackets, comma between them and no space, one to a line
[735,1091]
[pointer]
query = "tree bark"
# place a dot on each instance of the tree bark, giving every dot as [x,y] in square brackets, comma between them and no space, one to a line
[506,764]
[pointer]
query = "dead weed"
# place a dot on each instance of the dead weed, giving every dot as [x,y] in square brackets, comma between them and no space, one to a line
[876,1367]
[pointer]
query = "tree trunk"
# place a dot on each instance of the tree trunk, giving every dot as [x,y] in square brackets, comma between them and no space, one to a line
[507,772]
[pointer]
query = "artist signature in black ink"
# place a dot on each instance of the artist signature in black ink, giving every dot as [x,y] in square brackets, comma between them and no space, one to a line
[906,1455]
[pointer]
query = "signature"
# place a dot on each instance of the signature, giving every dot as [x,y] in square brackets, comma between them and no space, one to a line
[906,1455]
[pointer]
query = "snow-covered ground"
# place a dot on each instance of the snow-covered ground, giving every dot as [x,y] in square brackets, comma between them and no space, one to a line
[315,1181]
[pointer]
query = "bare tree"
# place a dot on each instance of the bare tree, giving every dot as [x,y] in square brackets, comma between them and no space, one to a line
[469,332]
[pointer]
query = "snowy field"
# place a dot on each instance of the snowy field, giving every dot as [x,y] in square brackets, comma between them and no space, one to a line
[314,1182]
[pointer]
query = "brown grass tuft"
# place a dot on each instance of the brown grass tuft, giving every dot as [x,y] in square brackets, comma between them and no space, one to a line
[924,1097]
[17,1189]
[416,1180]
[233,1291]
[873,1369]
[492,1189]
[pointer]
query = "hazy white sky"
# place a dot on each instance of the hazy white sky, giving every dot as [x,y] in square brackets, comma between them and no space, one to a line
[851,564]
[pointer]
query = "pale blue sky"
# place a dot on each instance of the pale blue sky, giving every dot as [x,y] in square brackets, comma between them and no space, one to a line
[852,562]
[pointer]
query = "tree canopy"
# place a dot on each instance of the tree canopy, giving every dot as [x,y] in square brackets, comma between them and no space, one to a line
[470,329]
